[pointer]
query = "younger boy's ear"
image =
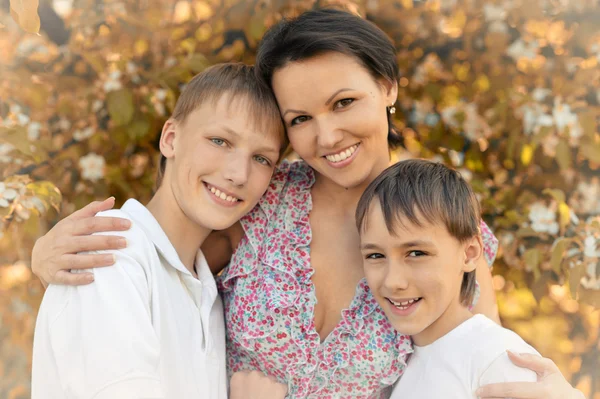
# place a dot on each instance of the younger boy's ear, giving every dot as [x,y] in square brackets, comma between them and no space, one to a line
[473,251]
[167,139]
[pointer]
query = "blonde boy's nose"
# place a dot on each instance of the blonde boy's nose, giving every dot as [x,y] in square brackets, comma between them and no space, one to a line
[237,170]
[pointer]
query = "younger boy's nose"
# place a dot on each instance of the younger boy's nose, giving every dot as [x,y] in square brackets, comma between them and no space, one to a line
[237,170]
[396,279]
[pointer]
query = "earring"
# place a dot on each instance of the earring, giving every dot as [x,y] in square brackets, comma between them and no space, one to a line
[392,109]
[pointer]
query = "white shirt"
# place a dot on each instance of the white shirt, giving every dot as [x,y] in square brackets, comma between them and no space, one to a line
[468,357]
[146,328]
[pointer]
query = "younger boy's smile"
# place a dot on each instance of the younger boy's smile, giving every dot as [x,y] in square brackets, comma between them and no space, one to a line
[221,196]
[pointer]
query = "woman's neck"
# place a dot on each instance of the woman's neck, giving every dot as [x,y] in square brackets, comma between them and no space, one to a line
[345,199]
[185,235]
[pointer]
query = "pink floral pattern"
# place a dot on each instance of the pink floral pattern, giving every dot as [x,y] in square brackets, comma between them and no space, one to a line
[269,306]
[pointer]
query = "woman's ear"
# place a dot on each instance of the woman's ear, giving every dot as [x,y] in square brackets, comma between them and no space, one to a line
[473,251]
[390,90]
[168,138]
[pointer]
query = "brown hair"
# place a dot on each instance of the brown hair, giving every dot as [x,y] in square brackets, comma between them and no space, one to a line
[431,190]
[237,80]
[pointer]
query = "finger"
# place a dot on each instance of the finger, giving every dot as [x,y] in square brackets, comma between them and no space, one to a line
[85,261]
[93,208]
[541,365]
[517,390]
[65,278]
[94,243]
[99,224]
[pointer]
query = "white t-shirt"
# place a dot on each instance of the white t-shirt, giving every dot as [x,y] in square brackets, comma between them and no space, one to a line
[146,328]
[468,357]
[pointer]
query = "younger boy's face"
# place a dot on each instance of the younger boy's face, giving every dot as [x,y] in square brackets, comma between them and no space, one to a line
[416,275]
[221,163]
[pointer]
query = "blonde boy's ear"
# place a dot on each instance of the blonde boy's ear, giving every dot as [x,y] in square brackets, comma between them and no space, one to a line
[473,251]
[167,138]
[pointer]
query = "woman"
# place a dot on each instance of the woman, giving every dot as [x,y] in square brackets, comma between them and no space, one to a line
[296,304]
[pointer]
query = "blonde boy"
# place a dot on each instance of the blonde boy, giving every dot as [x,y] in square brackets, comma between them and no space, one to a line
[152,326]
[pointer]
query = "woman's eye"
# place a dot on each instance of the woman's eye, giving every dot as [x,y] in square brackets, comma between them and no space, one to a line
[374,256]
[219,142]
[415,254]
[344,102]
[262,160]
[299,119]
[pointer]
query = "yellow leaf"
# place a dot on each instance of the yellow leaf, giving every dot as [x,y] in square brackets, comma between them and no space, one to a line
[25,13]
[575,275]
[203,10]
[482,83]
[526,154]
[532,260]
[557,194]
[120,106]
[564,213]
[563,155]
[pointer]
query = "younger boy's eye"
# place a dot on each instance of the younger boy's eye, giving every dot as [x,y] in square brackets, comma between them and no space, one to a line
[299,119]
[416,254]
[344,102]
[374,256]
[218,141]
[262,160]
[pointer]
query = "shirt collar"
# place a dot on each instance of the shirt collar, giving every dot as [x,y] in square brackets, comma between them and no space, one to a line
[147,222]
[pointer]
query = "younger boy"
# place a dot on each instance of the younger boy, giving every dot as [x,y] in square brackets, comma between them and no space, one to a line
[152,326]
[419,225]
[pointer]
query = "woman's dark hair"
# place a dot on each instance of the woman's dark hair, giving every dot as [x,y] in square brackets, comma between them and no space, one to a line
[328,30]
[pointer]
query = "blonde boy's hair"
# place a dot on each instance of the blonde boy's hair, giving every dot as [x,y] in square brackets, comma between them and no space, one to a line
[238,81]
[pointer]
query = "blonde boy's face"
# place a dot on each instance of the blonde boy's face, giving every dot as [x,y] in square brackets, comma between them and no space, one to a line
[218,163]
[415,276]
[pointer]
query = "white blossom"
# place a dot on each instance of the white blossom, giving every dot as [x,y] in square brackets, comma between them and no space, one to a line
[543,219]
[33,131]
[521,49]
[539,94]
[591,247]
[92,167]
[5,149]
[564,117]
[494,12]
[113,82]
[6,195]
[82,134]
[97,105]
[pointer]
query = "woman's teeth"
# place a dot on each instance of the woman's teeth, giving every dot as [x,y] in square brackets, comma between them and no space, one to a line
[222,195]
[342,155]
[404,304]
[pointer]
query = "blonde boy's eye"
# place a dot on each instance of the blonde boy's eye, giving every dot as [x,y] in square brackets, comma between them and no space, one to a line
[416,254]
[218,141]
[374,256]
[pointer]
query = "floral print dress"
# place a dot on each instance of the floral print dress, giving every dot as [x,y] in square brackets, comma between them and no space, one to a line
[269,303]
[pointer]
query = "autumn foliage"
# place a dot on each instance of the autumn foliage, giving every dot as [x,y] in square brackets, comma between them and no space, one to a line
[508,92]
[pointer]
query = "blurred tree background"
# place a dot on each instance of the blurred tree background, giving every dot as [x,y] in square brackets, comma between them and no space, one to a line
[506,91]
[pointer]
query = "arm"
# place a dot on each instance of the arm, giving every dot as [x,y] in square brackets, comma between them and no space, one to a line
[98,340]
[551,384]
[56,253]
[487,301]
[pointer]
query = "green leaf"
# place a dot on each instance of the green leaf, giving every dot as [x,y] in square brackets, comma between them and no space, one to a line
[557,194]
[563,155]
[558,251]
[139,128]
[25,13]
[591,152]
[591,297]
[120,106]
[47,192]
[526,232]
[532,258]
[575,275]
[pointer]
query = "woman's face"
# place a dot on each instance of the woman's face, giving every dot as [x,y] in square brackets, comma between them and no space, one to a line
[336,117]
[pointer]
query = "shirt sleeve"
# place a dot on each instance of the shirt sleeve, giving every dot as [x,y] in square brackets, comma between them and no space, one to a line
[100,336]
[503,370]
